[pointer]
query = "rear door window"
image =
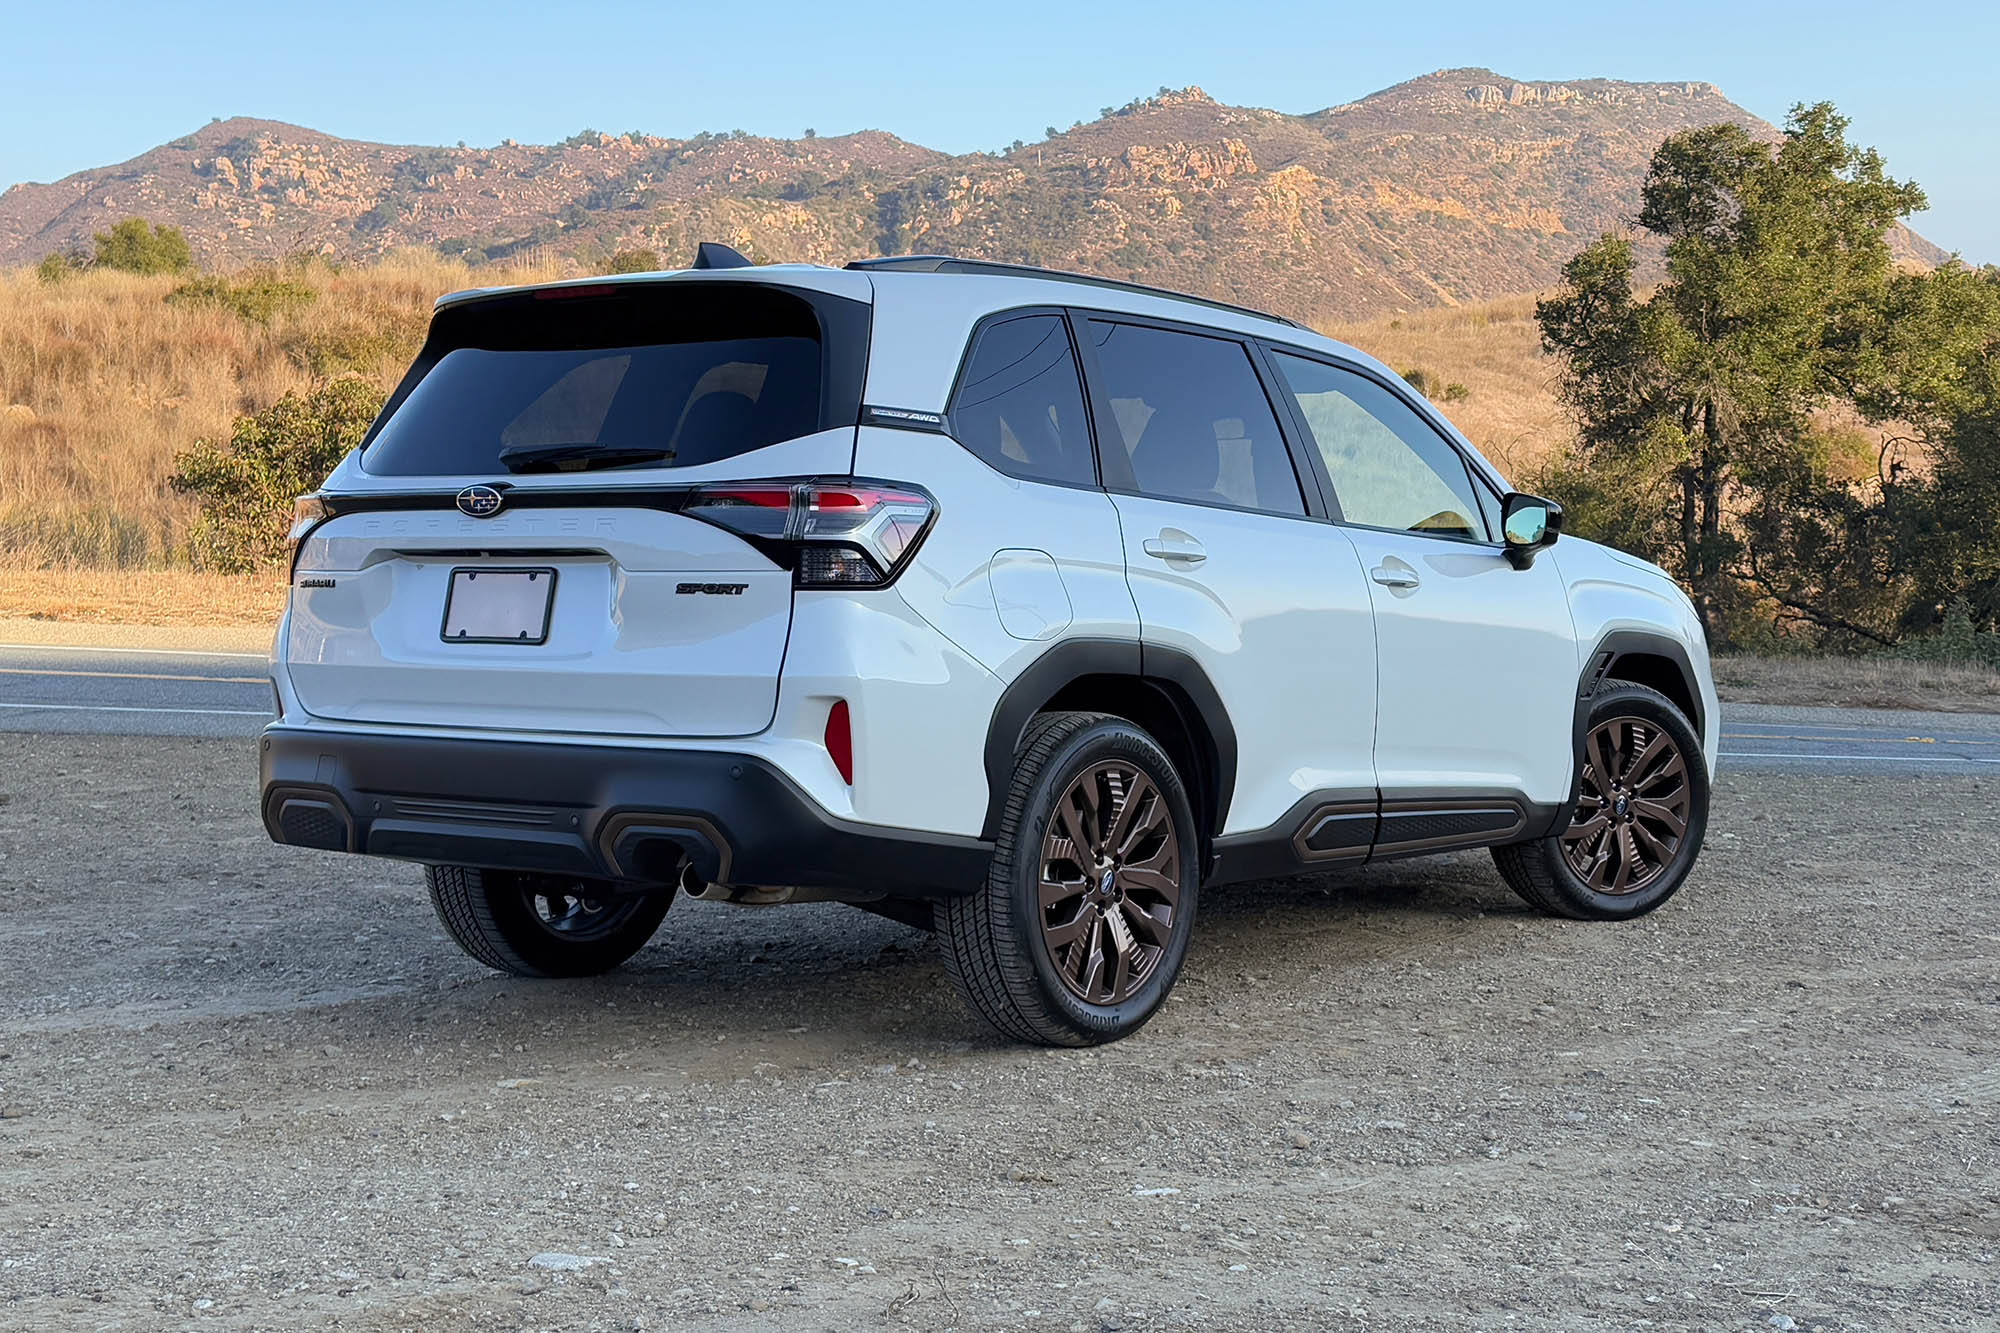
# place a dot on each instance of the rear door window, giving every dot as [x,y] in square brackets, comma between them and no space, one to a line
[648,377]
[1019,403]
[1190,420]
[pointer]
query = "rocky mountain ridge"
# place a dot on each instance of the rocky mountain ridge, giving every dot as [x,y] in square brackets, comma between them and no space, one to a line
[1457,186]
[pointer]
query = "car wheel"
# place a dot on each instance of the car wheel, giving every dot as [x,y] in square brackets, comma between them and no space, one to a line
[536,925]
[1082,925]
[1640,813]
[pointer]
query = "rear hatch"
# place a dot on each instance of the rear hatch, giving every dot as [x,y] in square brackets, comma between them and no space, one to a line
[519,544]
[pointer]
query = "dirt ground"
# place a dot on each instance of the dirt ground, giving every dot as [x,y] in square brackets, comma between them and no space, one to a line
[244,1086]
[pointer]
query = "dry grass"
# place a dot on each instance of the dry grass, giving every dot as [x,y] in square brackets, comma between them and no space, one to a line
[103,381]
[1841,682]
[1495,351]
[141,597]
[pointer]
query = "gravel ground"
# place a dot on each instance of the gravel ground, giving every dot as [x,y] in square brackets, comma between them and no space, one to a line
[244,1086]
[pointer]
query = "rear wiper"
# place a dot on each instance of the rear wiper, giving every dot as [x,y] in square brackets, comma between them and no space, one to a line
[577,457]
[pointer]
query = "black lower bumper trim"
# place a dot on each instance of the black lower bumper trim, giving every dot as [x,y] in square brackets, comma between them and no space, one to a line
[615,812]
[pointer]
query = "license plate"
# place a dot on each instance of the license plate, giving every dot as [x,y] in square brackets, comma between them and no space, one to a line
[499,605]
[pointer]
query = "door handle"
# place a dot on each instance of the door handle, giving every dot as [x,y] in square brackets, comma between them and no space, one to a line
[1395,576]
[1185,549]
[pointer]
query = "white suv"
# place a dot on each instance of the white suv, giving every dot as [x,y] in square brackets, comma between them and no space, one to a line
[1015,604]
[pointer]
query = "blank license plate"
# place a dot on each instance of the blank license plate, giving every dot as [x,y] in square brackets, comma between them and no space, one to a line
[499,605]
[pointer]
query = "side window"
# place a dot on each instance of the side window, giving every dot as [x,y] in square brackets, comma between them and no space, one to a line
[1191,419]
[1390,468]
[1019,404]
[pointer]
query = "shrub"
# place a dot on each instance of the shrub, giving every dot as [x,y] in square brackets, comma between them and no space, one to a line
[136,246]
[59,264]
[633,261]
[1956,643]
[246,486]
[1456,393]
[257,298]
[372,338]
[1423,381]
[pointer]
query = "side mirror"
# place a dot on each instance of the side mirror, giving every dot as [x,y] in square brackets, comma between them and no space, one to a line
[1529,523]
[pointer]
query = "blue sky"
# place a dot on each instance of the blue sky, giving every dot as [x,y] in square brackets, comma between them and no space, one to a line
[90,84]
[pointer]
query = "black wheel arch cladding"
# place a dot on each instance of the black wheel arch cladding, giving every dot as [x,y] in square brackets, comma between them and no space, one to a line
[1175,678]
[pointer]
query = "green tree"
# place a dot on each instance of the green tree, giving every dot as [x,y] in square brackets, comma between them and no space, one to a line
[1879,539]
[1777,274]
[246,485]
[1940,462]
[137,246]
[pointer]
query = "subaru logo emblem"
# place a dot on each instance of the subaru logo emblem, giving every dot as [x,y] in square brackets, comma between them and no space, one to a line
[479,501]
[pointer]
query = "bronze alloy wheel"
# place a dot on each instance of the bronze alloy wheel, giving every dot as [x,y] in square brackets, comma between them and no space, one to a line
[1110,882]
[1632,807]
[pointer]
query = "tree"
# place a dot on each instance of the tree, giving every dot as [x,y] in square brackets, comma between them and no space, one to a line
[139,247]
[247,484]
[1778,272]
[1942,469]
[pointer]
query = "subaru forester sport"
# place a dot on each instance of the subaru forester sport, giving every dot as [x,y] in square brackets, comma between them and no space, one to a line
[1013,604]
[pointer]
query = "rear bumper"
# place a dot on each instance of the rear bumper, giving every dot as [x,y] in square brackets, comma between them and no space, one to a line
[594,810]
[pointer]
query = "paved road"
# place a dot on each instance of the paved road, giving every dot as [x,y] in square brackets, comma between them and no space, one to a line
[1770,739]
[155,693]
[129,692]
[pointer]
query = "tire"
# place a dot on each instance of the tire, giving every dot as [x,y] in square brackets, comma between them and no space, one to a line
[541,925]
[1028,969]
[1617,824]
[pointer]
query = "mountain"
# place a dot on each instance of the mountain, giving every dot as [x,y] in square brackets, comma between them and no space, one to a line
[1458,186]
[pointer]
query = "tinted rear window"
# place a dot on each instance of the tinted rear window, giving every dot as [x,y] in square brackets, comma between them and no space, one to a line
[1019,404]
[1193,419]
[697,374]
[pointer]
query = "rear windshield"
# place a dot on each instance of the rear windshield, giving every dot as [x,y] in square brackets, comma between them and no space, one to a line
[666,375]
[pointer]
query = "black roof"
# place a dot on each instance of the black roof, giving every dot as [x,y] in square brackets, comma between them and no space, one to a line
[993,269]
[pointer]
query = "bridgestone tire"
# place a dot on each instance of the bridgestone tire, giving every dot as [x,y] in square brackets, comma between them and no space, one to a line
[491,914]
[1541,873]
[993,941]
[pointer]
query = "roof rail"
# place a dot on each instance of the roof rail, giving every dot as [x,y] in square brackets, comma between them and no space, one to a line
[995,269]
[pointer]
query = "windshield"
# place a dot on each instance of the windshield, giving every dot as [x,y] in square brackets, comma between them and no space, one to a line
[638,379]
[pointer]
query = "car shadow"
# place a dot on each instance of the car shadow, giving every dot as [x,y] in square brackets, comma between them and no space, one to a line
[830,969]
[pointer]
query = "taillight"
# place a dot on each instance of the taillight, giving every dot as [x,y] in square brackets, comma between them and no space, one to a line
[308,512]
[832,535]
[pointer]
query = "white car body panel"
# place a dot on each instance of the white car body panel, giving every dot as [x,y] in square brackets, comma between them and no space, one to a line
[920,708]
[1277,613]
[914,696]
[1610,592]
[1478,668]
[982,513]
[626,654]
